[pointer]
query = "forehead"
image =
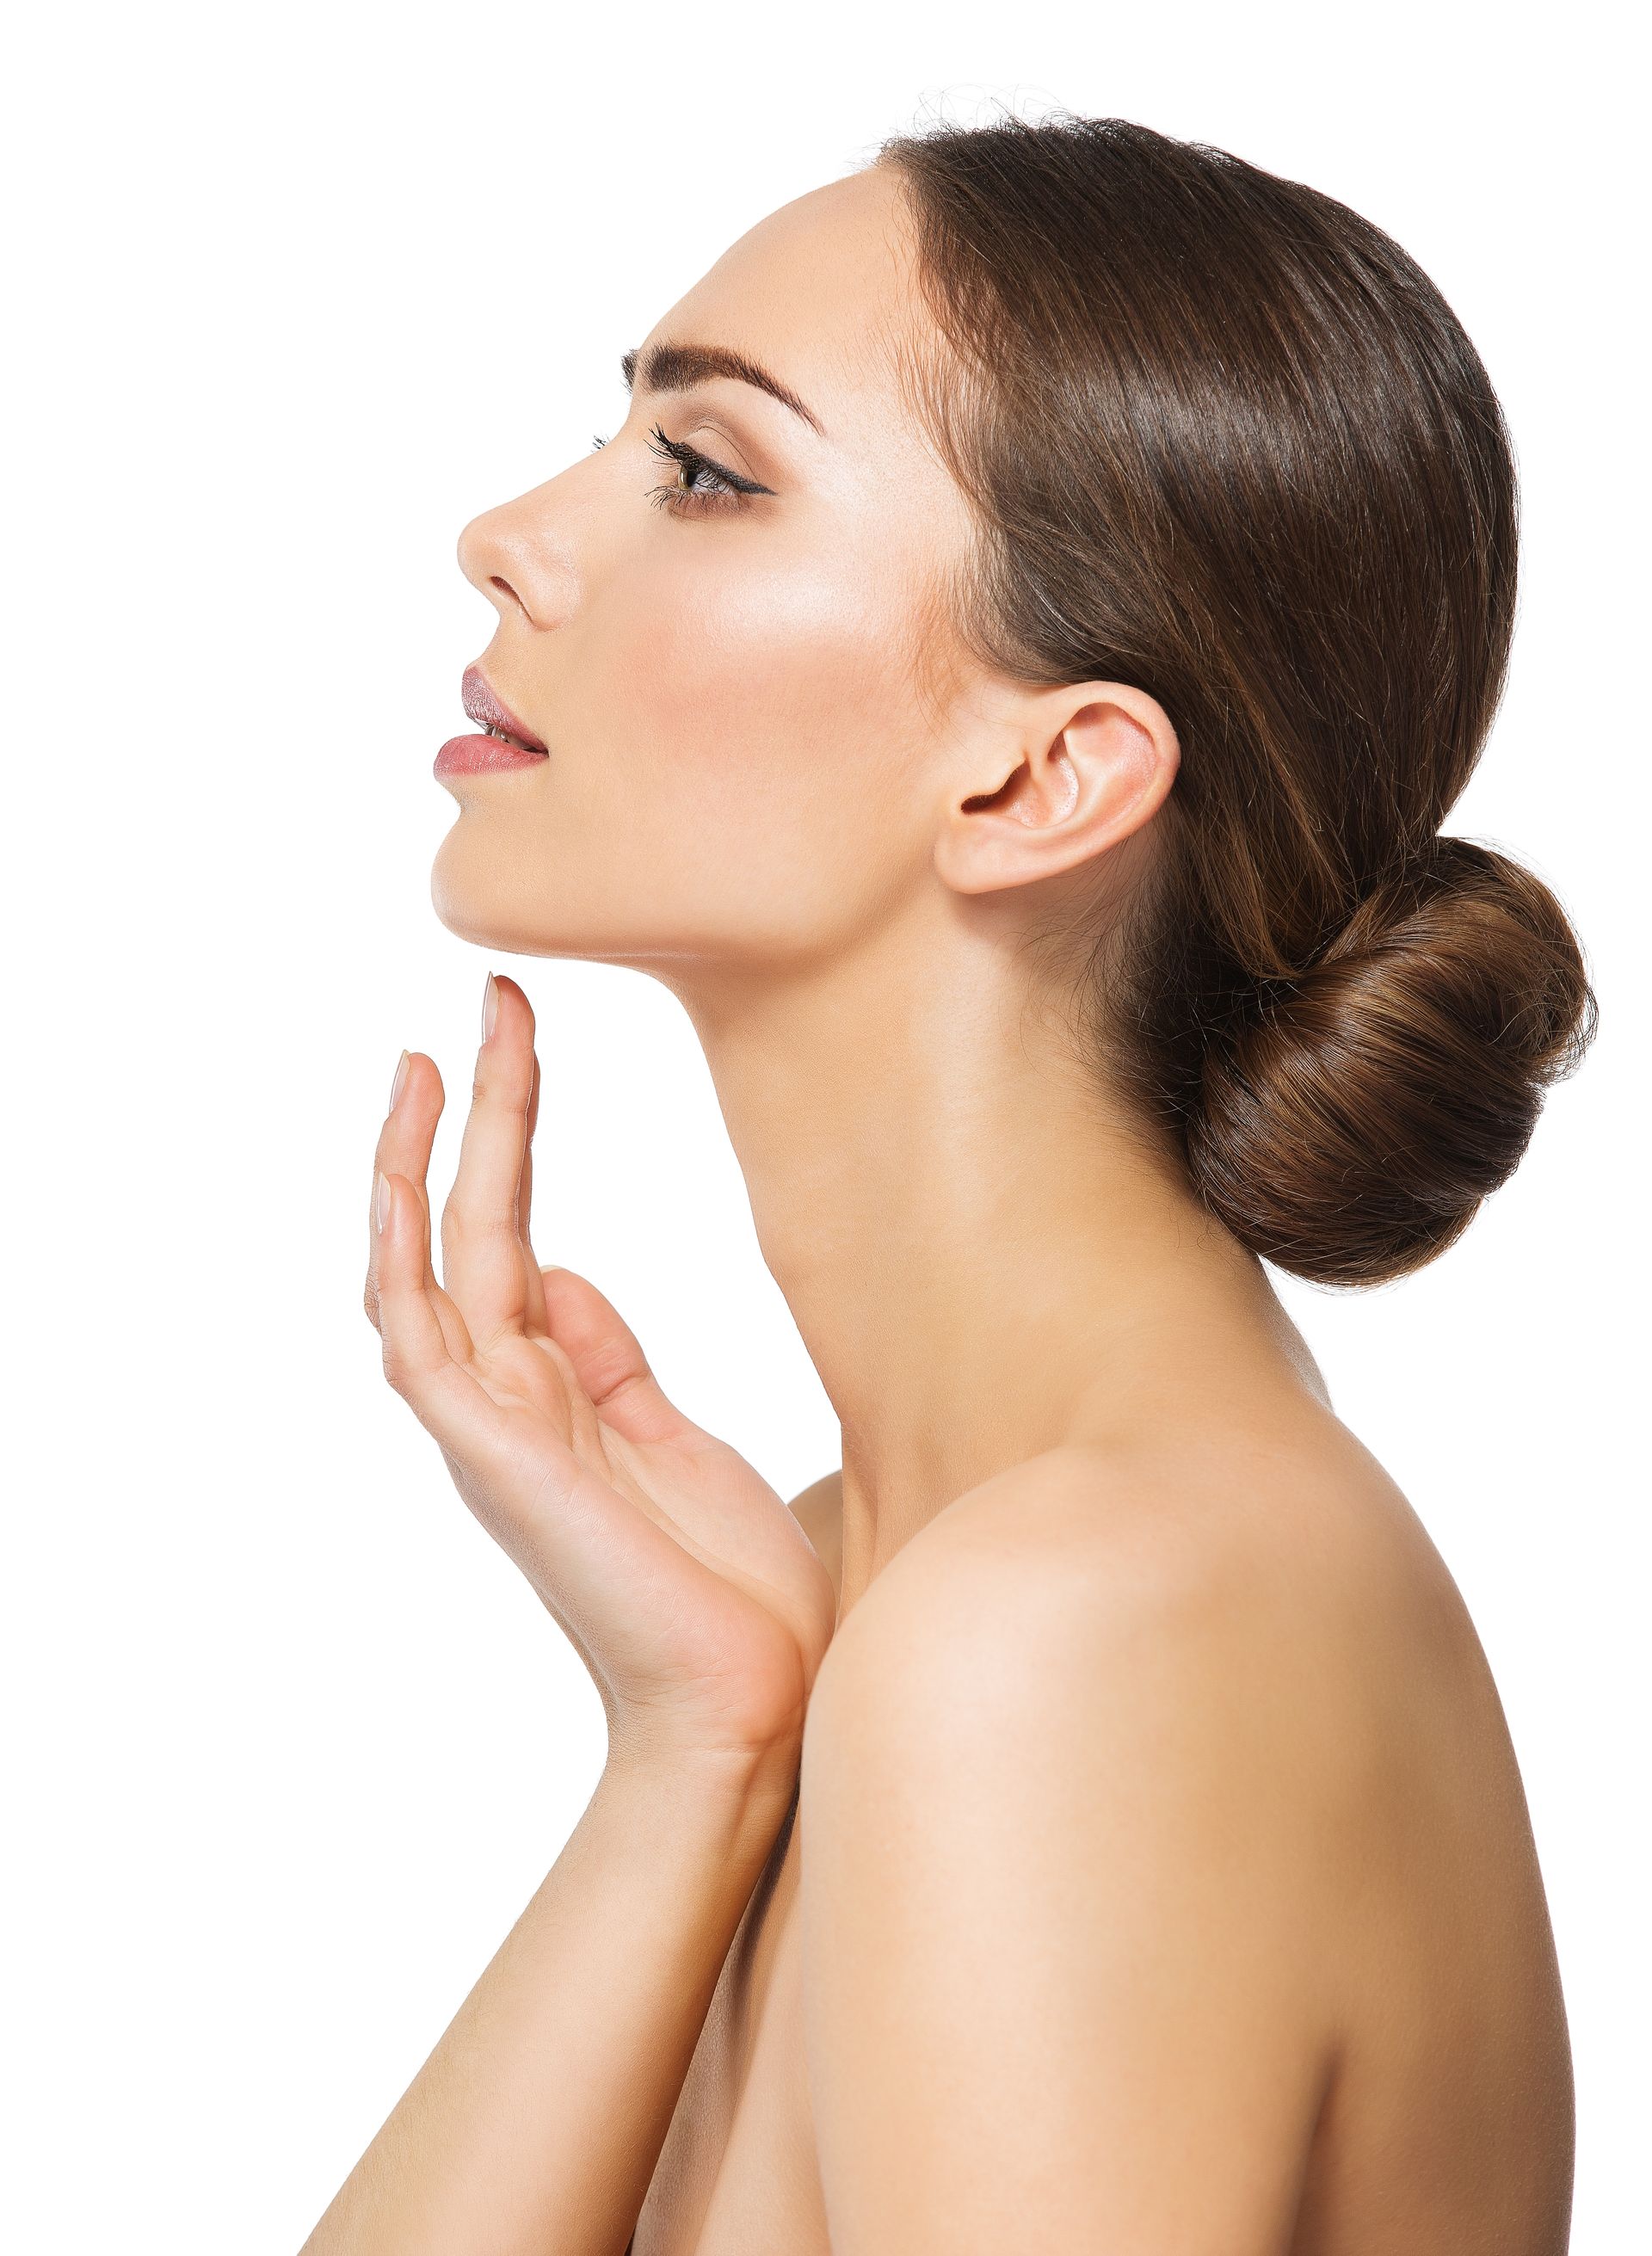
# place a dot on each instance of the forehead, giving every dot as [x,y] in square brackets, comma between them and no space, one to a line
[822,293]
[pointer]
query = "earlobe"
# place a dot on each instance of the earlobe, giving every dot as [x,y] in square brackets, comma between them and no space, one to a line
[1087,765]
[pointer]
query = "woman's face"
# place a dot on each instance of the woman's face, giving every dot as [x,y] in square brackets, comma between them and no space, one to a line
[744,767]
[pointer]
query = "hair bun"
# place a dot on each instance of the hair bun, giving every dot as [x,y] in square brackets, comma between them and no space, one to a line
[1352,1122]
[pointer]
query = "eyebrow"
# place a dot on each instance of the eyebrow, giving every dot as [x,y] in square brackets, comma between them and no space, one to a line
[678,367]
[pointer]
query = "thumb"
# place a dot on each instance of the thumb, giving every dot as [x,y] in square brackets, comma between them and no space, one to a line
[607,1360]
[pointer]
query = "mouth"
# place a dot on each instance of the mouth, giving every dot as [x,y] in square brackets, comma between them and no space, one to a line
[492,714]
[504,744]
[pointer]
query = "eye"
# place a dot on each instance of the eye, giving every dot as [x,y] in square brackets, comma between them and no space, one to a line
[700,487]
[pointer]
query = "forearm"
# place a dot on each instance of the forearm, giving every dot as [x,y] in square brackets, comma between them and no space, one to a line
[536,2122]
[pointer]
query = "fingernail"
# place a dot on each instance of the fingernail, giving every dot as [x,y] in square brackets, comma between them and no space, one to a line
[401,1075]
[381,1201]
[490,1007]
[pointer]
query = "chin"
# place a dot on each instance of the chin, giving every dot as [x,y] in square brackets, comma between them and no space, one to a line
[467,903]
[506,910]
[485,893]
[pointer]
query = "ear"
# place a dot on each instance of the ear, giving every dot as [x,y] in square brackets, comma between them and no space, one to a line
[1083,767]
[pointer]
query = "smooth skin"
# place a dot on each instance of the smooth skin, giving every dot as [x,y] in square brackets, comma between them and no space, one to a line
[1086,1822]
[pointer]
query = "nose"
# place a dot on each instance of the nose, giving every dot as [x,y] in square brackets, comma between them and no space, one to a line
[518,559]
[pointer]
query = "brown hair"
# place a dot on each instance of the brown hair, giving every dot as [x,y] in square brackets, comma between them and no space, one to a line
[1226,441]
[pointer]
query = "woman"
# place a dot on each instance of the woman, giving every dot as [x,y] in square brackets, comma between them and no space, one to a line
[1080,583]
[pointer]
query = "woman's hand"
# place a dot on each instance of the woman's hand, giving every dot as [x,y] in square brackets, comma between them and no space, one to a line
[690,1590]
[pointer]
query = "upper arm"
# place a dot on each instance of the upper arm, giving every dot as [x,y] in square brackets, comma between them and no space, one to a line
[1059,1989]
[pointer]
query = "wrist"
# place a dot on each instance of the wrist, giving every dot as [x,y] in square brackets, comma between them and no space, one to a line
[750,1789]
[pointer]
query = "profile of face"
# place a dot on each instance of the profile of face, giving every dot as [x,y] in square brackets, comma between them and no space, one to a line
[750,763]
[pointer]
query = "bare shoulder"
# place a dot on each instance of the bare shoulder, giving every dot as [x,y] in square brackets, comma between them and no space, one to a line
[820,1505]
[1238,1651]
[1057,1791]
[1281,1551]
[819,1512]
[1174,1774]
[1219,1619]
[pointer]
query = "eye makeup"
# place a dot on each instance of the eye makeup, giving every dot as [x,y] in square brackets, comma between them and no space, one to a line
[701,486]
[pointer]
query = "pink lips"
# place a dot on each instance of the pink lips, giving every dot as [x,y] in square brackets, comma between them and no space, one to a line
[510,746]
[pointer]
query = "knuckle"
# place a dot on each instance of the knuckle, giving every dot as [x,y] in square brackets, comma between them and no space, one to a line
[398,1377]
[501,1082]
[371,1304]
[463,1224]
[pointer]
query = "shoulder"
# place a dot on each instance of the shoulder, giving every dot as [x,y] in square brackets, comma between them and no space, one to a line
[1226,1655]
[1075,1628]
[1077,1791]
[819,1507]
[819,1512]
[1045,1585]
[1247,1638]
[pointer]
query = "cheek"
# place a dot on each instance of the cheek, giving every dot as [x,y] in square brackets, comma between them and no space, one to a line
[759,682]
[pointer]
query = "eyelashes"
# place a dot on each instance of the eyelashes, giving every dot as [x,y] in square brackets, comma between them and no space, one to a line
[701,488]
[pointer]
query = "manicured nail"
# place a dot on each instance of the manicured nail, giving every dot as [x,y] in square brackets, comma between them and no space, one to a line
[490,1007]
[381,1201]
[401,1075]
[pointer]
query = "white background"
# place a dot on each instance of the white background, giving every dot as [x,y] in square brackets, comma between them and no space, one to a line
[296,291]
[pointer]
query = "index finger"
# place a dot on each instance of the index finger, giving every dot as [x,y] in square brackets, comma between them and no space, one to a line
[485,1257]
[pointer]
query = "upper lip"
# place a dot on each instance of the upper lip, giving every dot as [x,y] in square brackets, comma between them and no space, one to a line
[490,712]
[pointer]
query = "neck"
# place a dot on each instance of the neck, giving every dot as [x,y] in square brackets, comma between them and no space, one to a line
[983,1261]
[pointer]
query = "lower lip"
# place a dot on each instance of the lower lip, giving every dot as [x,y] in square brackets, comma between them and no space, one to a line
[482,755]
